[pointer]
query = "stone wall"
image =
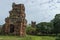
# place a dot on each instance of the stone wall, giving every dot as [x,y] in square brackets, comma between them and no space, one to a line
[16,22]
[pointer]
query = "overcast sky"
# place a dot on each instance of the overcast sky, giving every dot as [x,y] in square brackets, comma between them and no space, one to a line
[36,10]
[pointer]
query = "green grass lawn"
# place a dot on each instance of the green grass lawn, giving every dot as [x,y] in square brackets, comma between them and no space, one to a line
[28,37]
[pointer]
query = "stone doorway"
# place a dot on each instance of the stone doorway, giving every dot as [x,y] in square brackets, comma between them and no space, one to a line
[11,28]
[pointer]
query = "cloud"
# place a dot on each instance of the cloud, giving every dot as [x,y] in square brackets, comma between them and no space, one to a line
[36,10]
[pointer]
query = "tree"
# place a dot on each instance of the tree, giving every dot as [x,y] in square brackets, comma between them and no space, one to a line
[56,23]
[30,30]
[44,27]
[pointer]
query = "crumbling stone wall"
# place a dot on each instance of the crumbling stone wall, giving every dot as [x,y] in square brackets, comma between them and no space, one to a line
[33,24]
[16,22]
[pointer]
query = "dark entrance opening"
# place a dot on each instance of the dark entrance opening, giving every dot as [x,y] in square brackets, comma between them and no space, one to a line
[11,28]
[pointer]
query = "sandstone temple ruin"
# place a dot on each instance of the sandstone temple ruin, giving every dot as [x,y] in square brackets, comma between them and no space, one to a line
[16,23]
[33,24]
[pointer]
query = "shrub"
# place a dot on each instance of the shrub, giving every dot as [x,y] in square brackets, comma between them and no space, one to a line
[31,30]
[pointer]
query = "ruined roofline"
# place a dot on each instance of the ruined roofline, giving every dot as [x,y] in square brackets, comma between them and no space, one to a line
[17,4]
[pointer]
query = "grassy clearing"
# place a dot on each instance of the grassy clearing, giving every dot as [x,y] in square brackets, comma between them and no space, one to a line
[28,37]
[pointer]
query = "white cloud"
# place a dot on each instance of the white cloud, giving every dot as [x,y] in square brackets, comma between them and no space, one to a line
[36,10]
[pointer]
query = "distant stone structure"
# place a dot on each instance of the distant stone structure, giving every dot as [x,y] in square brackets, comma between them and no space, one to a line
[16,23]
[33,24]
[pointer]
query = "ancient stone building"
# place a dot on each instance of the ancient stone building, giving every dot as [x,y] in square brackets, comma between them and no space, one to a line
[33,24]
[16,22]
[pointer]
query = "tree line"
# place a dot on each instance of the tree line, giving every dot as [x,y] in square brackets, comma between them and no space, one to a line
[46,28]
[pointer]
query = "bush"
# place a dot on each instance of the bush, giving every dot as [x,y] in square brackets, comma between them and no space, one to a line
[31,30]
[58,37]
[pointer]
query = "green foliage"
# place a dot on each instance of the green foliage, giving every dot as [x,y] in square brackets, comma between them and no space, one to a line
[44,27]
[58,37]
[56,23]
[31,30]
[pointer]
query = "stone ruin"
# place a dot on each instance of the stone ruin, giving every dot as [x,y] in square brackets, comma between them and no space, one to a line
[33,24]
[16,23]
